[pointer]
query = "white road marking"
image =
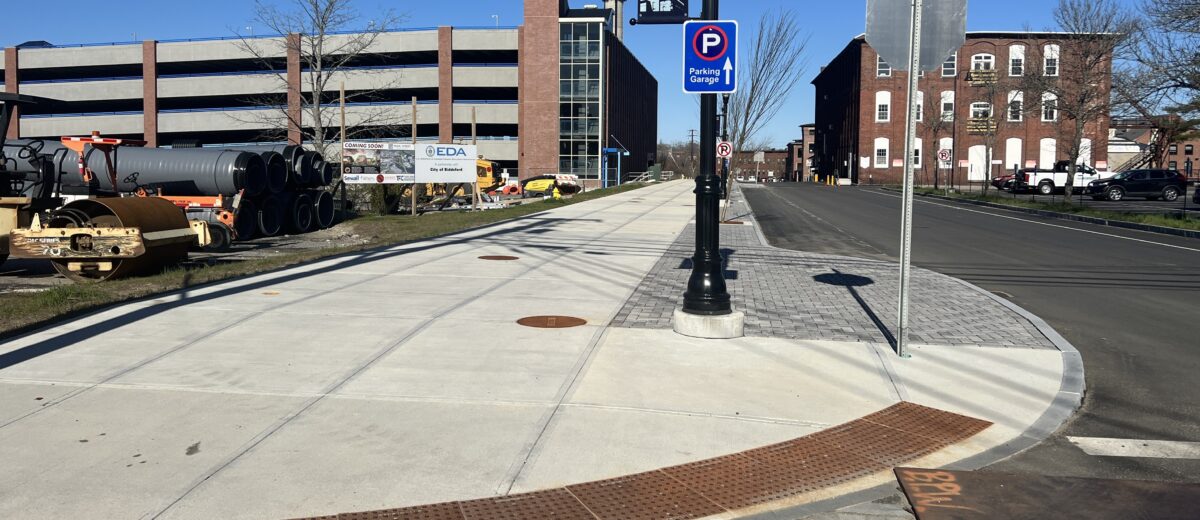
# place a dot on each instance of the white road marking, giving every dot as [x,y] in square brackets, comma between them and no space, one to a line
[1042,223]
[1105,447]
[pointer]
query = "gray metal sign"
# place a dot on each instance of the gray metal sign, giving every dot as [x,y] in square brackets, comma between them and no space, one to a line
[944,30]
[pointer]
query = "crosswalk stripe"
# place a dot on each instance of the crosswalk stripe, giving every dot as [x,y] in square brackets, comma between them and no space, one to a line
[1106,447]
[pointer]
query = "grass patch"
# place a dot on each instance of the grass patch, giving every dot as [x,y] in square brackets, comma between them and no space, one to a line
[1162,219]
[22,311]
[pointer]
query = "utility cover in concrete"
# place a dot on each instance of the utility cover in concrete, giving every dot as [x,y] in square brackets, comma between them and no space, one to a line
[944,29]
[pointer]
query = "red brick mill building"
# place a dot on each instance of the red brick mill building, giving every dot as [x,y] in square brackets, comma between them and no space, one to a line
[861,106]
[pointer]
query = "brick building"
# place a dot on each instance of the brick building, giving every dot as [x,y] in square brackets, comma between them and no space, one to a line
[774,166]
[861,106]
[548,96]
[802,155]
[1139,143]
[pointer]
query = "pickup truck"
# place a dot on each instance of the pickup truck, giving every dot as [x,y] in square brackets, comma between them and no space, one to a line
[1048,182]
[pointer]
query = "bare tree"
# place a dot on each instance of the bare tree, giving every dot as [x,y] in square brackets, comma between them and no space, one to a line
[330,37]
[991,87]
[773,66]
[936,124]
[1158,78]
[1074,85]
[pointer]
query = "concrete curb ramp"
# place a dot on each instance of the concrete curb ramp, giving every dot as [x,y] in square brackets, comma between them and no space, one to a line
[732,485]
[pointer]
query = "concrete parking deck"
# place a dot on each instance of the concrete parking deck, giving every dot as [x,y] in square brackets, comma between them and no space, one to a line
[400,377]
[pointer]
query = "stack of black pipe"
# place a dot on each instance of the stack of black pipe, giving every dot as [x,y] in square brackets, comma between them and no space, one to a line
[297,201]
[283,185]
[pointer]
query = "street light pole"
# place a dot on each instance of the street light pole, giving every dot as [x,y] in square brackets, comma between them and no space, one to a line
[706,294]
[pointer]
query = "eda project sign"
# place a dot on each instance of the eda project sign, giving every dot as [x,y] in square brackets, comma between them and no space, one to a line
[365,162]
[446,163]
[710,57]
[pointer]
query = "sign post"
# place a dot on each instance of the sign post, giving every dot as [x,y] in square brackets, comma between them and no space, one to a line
[946,31]
[710,61]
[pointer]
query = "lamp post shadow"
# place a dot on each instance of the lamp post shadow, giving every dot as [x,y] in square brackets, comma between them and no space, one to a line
[851,282]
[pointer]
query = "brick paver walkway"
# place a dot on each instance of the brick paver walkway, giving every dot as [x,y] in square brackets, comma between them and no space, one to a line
[798,295]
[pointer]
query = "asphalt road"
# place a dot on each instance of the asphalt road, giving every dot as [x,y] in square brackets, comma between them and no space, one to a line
[1128,300]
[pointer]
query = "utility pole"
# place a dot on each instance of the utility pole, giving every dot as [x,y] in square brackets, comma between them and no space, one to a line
[706,294]
[692,149]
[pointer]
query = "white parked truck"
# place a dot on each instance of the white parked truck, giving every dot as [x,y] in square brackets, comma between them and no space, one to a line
[1048,182]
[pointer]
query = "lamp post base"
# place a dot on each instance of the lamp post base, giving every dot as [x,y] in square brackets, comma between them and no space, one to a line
[724,326]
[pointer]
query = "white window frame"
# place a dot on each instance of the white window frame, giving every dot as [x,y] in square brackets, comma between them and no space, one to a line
[917,142]
[952,62]
[920,102]
[981,107]
[882,68]
[1049,100]
[983,61]
[1016,60]
[1052,60]
[882,145]
[883,106]
[1016,99]
[947,99]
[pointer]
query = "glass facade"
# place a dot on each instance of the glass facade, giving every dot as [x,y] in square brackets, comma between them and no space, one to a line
[581,93]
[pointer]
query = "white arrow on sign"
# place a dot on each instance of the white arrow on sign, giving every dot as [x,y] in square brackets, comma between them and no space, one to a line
[728,70]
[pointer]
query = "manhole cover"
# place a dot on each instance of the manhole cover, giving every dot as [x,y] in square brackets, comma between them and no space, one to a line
[551,322]
[499,258]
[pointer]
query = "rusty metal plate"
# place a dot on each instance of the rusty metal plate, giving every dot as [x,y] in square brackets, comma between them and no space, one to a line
[651,496]
[551,322]
[499,258]
[552,504]
[928,422]
[444,511]
[971,495]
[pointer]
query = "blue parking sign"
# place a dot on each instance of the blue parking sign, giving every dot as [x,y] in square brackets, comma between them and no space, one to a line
[710,57]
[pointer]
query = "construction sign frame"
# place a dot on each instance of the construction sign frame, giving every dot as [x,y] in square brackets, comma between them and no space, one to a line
[375,162]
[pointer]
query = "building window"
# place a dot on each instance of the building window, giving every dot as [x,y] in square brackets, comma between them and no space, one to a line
[581,99]
[1016,60]
[1173,149]
[1051,60]
[881,152]
[1016,106]
[1174,165]
[920,102]
[1188,149]
[948,106]
[950,66]
[882,69]
[917,153]
[883,107]
[1049,107]
[981,110]
[983,62]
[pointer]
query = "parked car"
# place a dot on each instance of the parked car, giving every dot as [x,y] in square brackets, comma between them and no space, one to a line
[1151,184]
[1048,182]
[1003,182]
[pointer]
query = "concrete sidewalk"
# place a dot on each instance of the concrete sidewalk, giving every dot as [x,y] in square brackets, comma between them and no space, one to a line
[400,377]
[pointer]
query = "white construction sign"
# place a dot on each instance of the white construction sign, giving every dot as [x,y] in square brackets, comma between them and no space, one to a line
[446,163]
[365,162]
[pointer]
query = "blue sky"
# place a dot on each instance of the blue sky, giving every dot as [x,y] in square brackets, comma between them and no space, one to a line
[830,23]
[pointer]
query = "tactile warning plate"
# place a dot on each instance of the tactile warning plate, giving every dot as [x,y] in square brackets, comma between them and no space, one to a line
[650,496]
[554,504]
[872,444]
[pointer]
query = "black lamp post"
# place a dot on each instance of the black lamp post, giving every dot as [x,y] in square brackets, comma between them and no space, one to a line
[706,294]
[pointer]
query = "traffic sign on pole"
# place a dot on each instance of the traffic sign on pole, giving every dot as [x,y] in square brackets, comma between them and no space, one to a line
[710,57]
[943,30]
[724,149]
[944,155]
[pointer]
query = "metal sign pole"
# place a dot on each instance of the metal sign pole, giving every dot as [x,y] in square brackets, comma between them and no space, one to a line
[910,130]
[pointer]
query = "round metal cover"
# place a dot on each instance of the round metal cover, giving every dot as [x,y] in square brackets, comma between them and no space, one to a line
[551,322]
[500,258]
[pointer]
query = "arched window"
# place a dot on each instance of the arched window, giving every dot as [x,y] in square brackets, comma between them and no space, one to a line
[1049,107]
[883,106]
[1050,59]
[1016,106]
[983,62]
[882,151]
[1016,60]
[981,110]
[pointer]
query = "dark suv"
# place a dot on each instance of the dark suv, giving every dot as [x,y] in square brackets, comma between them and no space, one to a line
[1168,185]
